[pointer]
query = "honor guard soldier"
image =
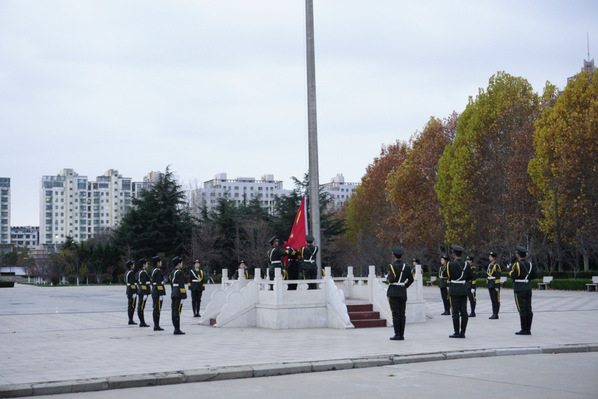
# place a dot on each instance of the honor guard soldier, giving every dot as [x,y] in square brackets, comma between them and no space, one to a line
[158,291]
[471,289]
[309,266]
[275,255]
[443,285]
[143,290]
[197,283]
[493,276]
[178,293]
[131,290]
[459,274]
[245,271]
[293,267]
[399,278]
[522,273]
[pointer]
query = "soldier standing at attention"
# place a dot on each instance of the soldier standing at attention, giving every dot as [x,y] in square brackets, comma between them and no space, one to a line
[522,273]
[399,278]
[443,284]
[493,276]
[459,274]
[177,281]
[309,266]
[275,255]
[131,290]
[158,291]
[471,289]
[143,290]
[197,283]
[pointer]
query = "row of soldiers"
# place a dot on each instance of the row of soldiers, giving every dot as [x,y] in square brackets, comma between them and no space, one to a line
[457,283]
[140,284]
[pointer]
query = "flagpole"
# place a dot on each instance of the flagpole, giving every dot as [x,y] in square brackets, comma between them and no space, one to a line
[314,174]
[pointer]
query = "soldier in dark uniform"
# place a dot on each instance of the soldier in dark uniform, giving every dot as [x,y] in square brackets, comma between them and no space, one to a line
[275,256]
[309,266]
[522,273]
[143,290]
[493,276]
[471,289]
[399,278]
[243,267]
[293,267]
[131,290]
[459,274]
[178,293]
[443,285]
[197,284]
[158,291]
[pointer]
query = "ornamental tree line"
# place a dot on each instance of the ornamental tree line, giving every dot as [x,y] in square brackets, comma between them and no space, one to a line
[513,168]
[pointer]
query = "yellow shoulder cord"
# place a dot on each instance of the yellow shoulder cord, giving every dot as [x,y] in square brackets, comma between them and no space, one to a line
[393,271]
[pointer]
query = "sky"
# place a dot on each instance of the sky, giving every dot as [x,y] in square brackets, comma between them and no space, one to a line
[220,86]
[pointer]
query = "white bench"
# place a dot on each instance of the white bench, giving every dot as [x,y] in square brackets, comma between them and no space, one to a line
[430,282]
[594,285]
[545,283]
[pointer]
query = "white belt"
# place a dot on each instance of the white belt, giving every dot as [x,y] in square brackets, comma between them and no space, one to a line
[491,278]
[400,284]
[275,261]
[128,284]
[176,285]
[522,281]
[458,282]
[195,281]
[309,261]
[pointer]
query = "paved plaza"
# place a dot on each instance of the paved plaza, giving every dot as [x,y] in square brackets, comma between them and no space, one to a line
[71,339]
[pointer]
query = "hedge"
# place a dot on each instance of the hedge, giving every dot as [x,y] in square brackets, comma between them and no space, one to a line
[7,284]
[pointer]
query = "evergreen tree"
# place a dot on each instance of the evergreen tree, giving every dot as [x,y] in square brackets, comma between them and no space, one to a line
[159,221]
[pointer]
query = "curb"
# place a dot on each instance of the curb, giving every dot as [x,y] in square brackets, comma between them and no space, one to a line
[269,369]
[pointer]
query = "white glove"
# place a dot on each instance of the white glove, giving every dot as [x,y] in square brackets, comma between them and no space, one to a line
[473,291]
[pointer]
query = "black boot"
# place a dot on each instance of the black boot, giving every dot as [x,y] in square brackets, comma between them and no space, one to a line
[157,323]
[472,314]
[177,328]
[456,328]
[528,331]
[494,312]
[463,328]
[523,322]
[397,327]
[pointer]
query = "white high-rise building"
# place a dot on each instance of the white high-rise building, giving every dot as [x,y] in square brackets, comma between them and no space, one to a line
[4,210]
[241,189]
[73,206]
[340,190]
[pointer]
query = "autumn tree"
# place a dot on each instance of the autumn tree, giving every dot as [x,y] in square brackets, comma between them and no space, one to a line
[482,182]
[369,209]
[410,187]
[565,168]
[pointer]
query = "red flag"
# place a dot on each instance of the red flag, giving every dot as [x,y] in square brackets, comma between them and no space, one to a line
[297,238]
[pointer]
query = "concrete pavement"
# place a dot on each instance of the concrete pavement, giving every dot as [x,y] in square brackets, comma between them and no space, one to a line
[72,339]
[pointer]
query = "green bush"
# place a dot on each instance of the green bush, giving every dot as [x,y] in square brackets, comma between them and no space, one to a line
[570,284]
[7,273]
[7,284]
[72,280]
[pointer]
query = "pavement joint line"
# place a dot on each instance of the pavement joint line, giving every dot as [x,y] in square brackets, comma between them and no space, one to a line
[270,369]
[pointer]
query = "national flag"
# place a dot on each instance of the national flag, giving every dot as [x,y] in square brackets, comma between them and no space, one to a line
[297,238]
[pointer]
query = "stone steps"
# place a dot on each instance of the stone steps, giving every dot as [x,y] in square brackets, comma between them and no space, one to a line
[363,316]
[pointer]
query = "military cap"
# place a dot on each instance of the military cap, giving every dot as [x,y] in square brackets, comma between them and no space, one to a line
[493,254]
[309,238]
[445,257]
[416,260]
[521,248]
[271,240]
[241,261]
[142,261]
[470,258]
[398,251]
[196,261]
[176,260]
[156,259]
[457,248]
[129,263]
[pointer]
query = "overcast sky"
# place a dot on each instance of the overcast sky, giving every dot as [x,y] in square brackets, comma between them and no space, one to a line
[220,86]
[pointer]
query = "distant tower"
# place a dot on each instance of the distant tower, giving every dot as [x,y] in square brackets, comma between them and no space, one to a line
[588,65]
